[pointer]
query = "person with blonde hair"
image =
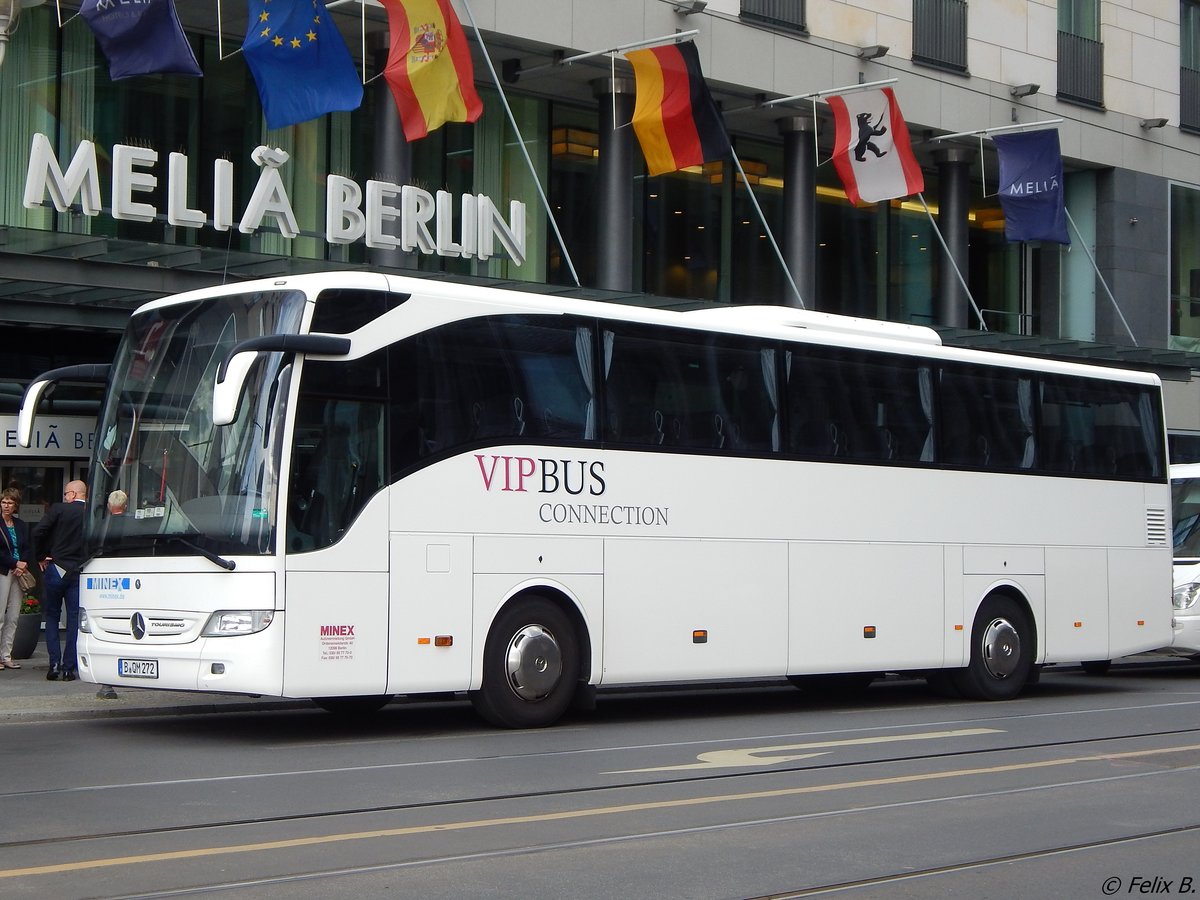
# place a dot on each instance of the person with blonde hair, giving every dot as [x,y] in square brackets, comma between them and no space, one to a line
[118,501]
[15,552]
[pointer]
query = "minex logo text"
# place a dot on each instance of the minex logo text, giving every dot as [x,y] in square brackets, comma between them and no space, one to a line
[108,584]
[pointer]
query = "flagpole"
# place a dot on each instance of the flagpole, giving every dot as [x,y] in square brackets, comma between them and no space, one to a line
[1112,299]
[221,57]
[829,92]
[770,236]
[982,132]
[512,120]
[645,42]
[58,8]
[950,256]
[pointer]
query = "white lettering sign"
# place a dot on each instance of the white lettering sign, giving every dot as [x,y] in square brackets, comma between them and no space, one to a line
[54,437]
[385,215]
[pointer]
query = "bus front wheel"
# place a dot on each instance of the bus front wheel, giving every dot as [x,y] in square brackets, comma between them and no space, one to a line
[530,666]
[1001,652]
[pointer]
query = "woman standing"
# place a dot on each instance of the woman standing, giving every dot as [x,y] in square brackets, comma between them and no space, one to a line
[14,554]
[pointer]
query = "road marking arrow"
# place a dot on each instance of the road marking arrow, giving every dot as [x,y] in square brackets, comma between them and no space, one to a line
[755,756]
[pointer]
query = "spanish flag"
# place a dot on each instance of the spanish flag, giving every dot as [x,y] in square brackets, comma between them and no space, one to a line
[674,116]
[429,66]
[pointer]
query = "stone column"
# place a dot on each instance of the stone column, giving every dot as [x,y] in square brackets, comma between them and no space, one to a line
[391,153]
[614,213]
[799,243]
[954,170]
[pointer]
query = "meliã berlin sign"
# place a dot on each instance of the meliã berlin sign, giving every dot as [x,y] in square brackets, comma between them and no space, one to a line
[426,223]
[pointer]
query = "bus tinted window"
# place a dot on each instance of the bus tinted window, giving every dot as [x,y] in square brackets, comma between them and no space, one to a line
[498,378]
[337,448]
[695,391]
[341,311]
[1101,428]
[859,406]
[987,418]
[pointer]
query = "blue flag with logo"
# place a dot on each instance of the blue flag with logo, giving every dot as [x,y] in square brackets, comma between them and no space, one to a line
[1031,186]
[301,65]
[142,38]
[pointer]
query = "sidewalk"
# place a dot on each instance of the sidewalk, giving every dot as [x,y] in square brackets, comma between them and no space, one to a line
[26,695]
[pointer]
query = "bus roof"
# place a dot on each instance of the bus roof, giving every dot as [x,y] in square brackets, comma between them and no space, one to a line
[784,323]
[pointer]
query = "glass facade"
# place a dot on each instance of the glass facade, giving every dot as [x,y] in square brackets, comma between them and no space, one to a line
[695,234]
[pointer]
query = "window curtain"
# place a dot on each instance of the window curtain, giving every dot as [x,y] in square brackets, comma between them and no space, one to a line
[28,98]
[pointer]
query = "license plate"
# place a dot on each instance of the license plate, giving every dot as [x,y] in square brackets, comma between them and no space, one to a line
[137,668]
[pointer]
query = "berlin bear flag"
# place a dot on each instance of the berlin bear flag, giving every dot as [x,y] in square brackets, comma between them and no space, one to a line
[871,151]
[1031,186]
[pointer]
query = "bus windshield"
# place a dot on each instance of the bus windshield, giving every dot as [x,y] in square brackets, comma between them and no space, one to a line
[1185,505]
[166,481]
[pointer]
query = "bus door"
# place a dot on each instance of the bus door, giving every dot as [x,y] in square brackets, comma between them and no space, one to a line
[336,551]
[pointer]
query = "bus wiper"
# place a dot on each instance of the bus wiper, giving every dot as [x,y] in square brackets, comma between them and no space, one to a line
[207,554]
[150,541]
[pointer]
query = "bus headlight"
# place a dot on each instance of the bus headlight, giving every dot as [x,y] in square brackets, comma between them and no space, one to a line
[85,624]
[226,622]
[1185,596]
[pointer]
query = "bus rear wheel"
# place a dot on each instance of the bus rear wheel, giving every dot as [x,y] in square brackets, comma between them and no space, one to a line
[530,666]
[1001,652]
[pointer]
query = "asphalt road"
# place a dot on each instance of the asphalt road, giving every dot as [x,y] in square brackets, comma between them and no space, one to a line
[1083,787]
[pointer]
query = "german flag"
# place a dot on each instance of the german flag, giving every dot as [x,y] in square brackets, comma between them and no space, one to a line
[429,66]
[674,116]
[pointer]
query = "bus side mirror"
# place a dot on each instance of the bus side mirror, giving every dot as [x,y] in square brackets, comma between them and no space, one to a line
[43,386]
[231,374]
[227,392]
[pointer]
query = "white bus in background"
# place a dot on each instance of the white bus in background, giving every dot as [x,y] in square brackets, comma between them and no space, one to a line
[1185,503]
[353,486]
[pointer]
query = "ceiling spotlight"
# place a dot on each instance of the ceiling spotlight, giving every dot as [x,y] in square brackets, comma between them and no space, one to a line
[689,7]
[873,52]
[1024,90]
[1152,123]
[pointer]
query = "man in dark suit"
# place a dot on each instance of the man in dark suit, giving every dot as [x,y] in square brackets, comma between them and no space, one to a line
[58,539]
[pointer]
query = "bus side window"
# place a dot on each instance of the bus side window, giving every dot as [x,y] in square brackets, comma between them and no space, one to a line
[338,449]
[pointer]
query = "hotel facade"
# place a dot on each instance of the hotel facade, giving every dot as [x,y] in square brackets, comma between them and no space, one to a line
[189,183]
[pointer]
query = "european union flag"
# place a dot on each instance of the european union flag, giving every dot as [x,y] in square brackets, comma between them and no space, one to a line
[143,38]
[300,62]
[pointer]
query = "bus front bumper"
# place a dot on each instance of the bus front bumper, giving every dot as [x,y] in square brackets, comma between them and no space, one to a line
[241,664]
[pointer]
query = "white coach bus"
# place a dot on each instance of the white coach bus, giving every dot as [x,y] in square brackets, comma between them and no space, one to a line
[353,486]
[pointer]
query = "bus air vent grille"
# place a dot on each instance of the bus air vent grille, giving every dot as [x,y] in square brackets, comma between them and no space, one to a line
[1156,527]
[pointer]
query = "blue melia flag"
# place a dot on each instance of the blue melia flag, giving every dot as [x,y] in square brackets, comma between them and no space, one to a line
[300,62]
[140,37]
[1031,186]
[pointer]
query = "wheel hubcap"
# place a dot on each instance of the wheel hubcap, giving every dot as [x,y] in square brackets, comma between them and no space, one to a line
[534,662]
[1001,648]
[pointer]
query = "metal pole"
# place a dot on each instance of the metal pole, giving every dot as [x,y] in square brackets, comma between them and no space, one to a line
[1104,284]
[997,129]
[770,236]
[512,120]
[647,42]
[946,250]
